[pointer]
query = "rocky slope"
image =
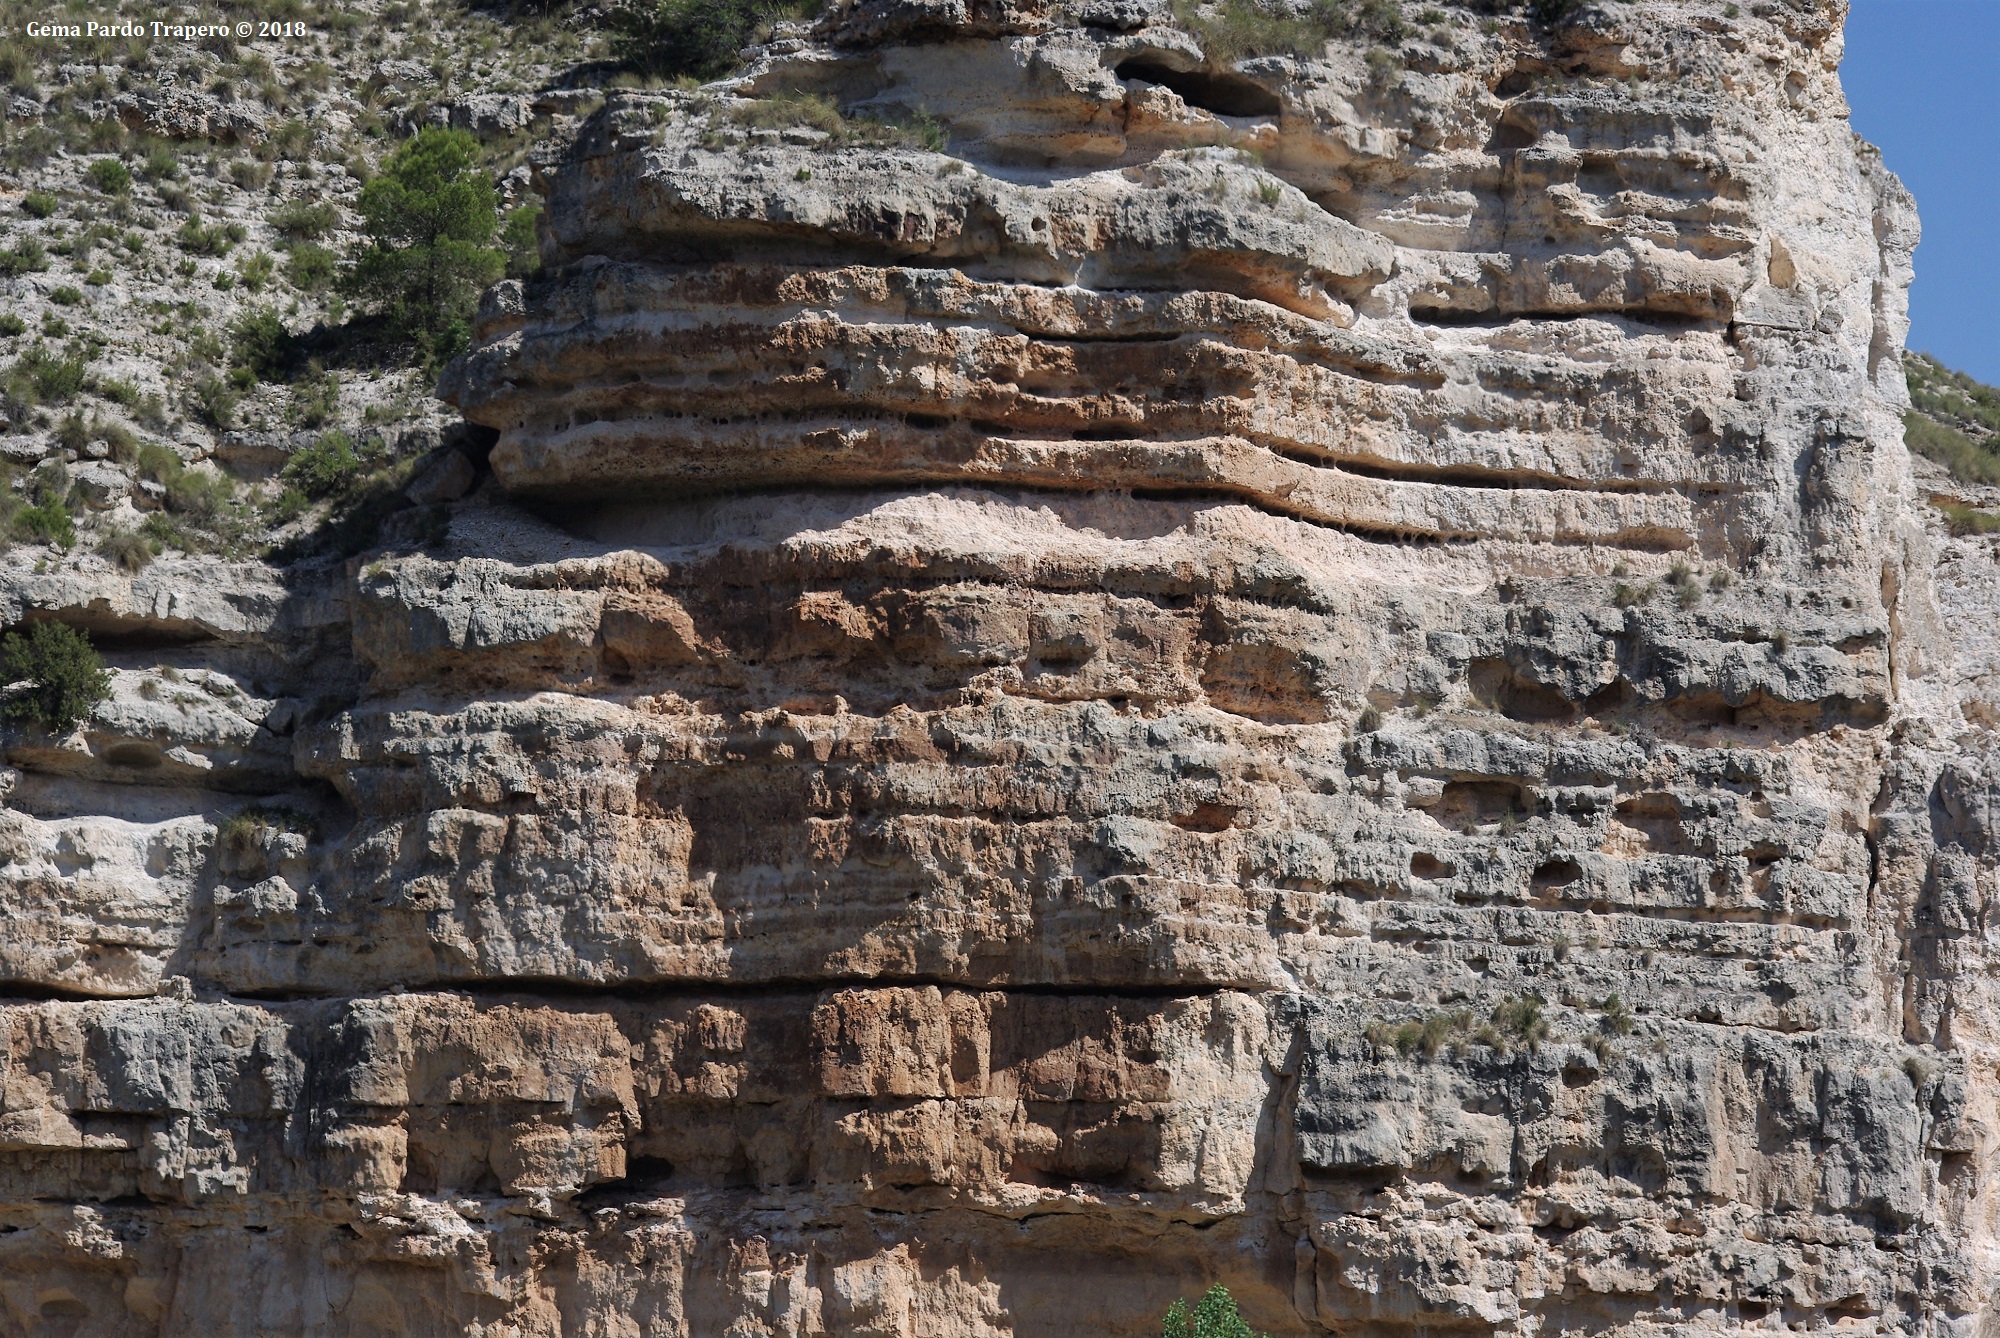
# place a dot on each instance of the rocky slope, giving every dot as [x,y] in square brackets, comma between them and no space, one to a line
[1062,668]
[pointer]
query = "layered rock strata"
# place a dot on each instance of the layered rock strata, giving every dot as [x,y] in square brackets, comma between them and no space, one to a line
[1316,673]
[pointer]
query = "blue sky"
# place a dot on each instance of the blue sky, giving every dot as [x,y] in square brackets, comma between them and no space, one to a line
[1923,77]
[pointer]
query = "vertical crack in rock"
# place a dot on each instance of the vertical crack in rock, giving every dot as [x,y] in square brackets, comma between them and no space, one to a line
[1303,674]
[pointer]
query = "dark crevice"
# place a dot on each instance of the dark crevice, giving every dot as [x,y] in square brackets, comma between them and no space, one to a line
[1460,475]
[1466,476]
[117,633]
[1380,534]
[1222,92]
[1664,320]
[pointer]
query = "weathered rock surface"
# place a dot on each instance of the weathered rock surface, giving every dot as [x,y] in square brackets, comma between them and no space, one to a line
[1312,675]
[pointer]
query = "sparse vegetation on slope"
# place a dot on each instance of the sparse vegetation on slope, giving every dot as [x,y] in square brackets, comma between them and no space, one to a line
[696,39]
[1953,420]
[213,253]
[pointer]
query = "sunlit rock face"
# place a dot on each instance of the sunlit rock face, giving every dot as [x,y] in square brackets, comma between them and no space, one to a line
[1319,674]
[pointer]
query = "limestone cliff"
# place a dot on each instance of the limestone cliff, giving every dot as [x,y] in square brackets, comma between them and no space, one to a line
[1082,664]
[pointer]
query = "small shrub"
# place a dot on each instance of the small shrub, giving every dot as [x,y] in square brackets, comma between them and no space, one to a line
[287,507]
[202,239]
[214,401]
[98,278]
[129,549]
[160,164]
[54,379]
[310,268]
[315,397]
[252,824]
[118,438]
[1616,1016]
[11,325]
[72,433]
[291,140]
[305,220]
[38,204]
[1370,720]
[1520,1019]
[519,241]
[1214,1316]
[46,523]
[146,408]
[65,678]
[260,342]
[1963,520]
[249,174]
[110,176]
[327,468]
[1958,453]
[26,258]
[65,296]
[199,497]
[256,270]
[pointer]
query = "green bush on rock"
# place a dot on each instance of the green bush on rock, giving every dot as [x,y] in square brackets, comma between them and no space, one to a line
[65,679]
[1214,1316]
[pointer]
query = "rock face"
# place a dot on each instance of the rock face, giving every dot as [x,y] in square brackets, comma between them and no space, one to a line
[1322,674]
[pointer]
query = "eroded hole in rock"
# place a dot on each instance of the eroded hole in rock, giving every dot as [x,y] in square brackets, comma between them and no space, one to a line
[1612,697]
[1223,93]
[1424,865]
[1497,684]
[1648,823]
[1511,135]
[1268,684]
[1478,802]
[134,756]
[1207,817]
[1556,873]
[647,1172]
[1599,176]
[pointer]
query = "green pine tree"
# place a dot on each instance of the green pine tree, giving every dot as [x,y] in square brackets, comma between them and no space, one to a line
[430,219]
